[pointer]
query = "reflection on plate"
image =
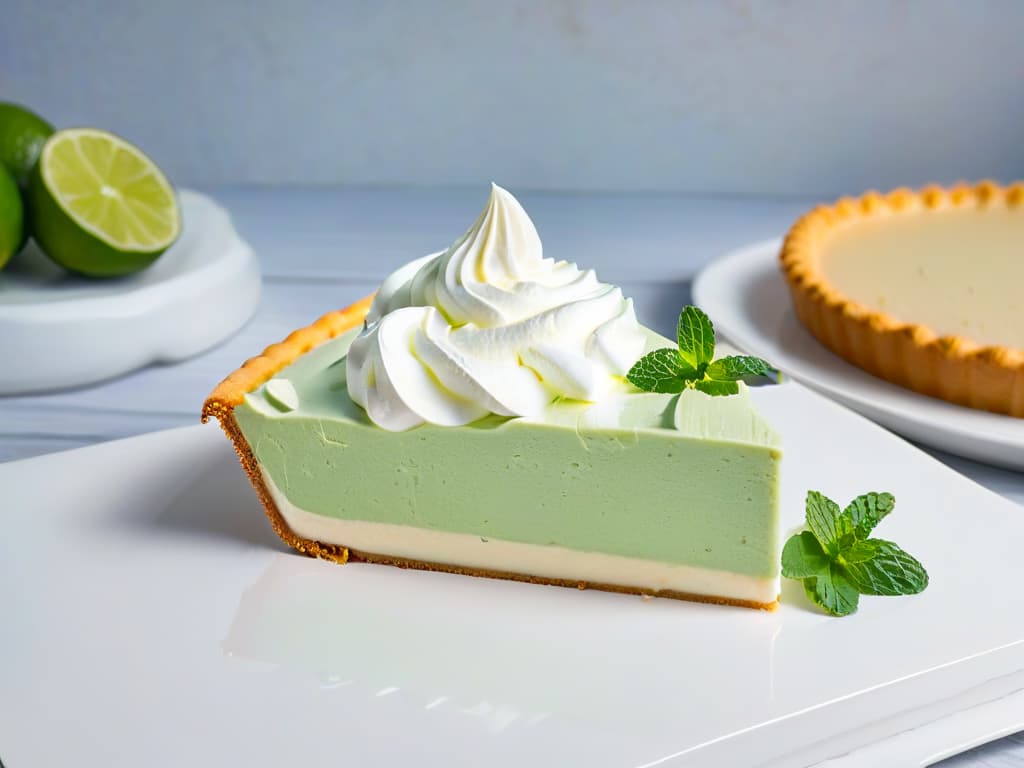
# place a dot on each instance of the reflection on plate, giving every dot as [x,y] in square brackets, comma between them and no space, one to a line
[378,644]
[745,293]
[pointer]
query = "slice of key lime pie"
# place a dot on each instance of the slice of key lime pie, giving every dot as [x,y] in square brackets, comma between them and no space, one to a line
[476,418]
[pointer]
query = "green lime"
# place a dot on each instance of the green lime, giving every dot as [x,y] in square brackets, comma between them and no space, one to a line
[12,218]
[99,206]
[22,135]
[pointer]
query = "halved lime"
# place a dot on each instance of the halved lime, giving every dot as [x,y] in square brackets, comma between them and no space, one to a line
[99,206]
[12,219]
[22,135]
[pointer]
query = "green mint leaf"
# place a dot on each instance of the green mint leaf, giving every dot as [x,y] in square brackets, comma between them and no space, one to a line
[717,388]
[693,364]
[836,561]
[810,585]
[662,370]
[736,367]
[803,557]
[867,510]
[829,525]
[696,337]
[833,591]
[890,571]
[860,551]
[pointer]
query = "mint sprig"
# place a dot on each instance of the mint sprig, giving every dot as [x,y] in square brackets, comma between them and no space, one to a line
[696,337]
[692,364]
[838,562]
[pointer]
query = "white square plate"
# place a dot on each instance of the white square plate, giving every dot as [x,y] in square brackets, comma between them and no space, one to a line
[151,617]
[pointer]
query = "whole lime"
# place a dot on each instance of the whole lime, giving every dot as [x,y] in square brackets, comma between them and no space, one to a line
[12,217]
[22,135]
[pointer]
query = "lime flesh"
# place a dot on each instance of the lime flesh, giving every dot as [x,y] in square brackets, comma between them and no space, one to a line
[99,206]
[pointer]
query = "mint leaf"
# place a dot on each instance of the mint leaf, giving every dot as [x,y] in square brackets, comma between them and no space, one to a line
[860,551]
[834,591]
[810,588]
[836,562]
[829,525]
[717,388]
[867,510]
[889,571]
[696,338]
[692,364]
[803,556]
[734,367]
[662,370]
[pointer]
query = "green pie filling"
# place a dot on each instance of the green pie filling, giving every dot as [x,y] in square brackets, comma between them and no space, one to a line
[685,479]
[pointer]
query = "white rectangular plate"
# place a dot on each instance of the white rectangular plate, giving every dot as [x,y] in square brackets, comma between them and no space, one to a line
[150,616]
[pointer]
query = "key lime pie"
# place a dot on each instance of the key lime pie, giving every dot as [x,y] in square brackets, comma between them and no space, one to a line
[922,289]
[475,418]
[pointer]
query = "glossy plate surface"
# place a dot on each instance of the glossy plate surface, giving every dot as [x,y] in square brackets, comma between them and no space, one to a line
[746,294]
[67,331]
[149,610]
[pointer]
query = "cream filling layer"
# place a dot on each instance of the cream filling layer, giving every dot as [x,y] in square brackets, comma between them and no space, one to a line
[958,272]
[552,562]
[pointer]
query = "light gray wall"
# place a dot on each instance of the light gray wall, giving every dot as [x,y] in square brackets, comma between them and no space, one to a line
[781,97]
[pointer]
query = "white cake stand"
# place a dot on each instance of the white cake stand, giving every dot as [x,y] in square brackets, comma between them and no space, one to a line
[58,330]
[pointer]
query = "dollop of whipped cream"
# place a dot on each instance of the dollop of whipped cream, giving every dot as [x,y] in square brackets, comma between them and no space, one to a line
[489,326]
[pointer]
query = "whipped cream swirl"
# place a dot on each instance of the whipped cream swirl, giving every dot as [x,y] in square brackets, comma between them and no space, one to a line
[489,326]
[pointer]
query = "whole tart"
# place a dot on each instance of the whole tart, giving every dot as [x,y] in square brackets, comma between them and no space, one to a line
[922,288]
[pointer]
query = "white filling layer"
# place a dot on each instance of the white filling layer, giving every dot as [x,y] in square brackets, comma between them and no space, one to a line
[958,272]
[552,562]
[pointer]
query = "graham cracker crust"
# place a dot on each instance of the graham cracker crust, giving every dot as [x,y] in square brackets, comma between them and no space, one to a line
[258,370]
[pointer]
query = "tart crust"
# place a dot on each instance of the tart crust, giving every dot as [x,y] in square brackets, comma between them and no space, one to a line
[952,368]
[256,371]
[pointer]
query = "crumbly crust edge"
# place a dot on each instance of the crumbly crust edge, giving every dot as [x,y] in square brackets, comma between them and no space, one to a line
[258,370]
[952,368]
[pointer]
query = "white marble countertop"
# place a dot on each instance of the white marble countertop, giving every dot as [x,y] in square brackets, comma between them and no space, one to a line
[322,248]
